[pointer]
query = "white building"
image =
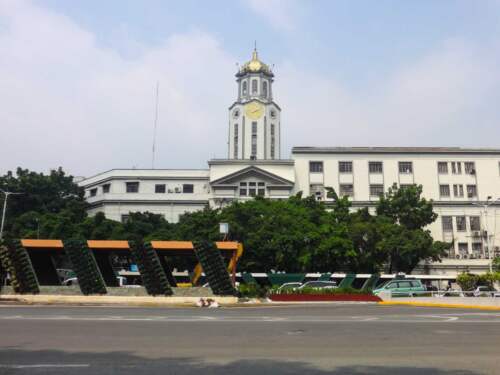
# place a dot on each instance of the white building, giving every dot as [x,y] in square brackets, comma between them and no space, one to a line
[462,182]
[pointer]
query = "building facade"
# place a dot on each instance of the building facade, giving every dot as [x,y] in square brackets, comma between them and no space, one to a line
[463,183]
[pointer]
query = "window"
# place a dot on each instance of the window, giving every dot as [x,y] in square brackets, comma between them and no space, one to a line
[461,224]
[444,190]
[252,191]
[316,166]
[244,88]
[243,189]
[475,223]
[254,86]
[132,187]
[477,247]
[376,190]
[447,223]
[106,188]
[405,186]
[463,248]
[273,140]
[345,166]
[125,218]
[442,167]
[254,139]
[261,189]
[346,190]
[405,167]
[93,192]
[469,167]
[264,89]
[375,167]
[187,188]
[404,284]
[235,142]
[160,188]
[318,191]
[471,191]
[458,190]
[456,167]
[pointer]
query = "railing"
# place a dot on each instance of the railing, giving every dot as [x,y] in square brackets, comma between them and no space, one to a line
[446,293]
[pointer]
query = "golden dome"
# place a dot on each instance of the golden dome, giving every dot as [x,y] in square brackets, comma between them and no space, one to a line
[255,65]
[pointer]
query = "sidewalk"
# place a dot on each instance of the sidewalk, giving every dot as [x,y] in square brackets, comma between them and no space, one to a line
[45,299]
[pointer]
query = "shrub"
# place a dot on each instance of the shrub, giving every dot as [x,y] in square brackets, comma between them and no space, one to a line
[333,291]
[252,290]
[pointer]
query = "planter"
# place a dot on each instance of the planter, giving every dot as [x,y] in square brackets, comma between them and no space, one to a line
[324,298]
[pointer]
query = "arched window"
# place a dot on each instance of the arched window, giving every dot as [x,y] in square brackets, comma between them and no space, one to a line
[254,86]
[264,89]
[244,88]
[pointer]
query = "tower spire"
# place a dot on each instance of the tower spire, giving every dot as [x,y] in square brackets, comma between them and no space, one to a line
[254,53]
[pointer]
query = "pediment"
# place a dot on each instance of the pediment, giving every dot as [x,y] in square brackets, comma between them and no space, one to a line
[252,172]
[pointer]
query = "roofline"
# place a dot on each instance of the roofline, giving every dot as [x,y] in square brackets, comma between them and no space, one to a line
[250,162]
[393,150]
[136,170]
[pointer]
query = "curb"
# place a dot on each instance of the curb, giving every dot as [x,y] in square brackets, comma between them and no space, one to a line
[40,299]
[446,305]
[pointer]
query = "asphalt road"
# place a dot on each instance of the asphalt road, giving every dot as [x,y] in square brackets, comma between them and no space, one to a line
[315,340]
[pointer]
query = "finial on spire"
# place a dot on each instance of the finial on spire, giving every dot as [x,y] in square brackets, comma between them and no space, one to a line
[254,54]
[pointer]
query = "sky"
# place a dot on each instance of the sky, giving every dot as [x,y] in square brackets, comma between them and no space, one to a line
[78,78]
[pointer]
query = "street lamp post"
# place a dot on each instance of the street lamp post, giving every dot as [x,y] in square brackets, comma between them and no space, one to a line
[6,193]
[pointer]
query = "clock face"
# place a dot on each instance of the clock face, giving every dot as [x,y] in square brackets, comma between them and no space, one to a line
[254,110]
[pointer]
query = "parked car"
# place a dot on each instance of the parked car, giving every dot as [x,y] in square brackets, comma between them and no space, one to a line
[288,286]
[485,291]
[319,285]
[122,282]
[401,287]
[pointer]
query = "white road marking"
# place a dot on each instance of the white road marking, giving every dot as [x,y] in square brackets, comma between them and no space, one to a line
[258,319]
[45,365]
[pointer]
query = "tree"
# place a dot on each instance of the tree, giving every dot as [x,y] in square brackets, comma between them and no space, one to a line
[42,196]
[402,216]
[407,207]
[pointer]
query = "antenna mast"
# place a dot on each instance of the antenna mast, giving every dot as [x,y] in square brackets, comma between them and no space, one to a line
[155,125]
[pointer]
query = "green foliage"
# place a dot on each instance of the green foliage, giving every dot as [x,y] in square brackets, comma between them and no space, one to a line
[299,234]
[252,290]
[330,291]
[213,265]
[467,281]
[85,267]
[153,276]
[16,261]
[496,264]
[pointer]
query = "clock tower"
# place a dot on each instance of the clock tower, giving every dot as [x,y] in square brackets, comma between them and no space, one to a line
[254,119]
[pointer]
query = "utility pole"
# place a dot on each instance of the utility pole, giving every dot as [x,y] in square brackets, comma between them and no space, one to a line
[6,193]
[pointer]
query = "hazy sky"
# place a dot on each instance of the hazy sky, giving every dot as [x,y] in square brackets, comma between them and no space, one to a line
[77,78]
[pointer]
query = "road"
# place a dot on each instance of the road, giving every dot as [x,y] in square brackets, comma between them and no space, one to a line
[313,340]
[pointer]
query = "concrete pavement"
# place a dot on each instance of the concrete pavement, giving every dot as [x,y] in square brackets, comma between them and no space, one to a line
[317,340]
